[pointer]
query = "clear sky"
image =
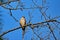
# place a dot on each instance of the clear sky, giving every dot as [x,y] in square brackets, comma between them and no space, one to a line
[9,22]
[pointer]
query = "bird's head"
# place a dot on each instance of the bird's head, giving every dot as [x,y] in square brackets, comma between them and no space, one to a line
[23,16]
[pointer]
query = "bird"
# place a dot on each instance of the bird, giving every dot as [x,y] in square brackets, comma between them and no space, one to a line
[23,23]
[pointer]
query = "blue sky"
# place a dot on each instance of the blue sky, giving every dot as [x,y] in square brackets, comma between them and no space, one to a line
[9,22]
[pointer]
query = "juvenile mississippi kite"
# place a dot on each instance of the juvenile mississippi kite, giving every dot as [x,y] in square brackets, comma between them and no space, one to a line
[23,22]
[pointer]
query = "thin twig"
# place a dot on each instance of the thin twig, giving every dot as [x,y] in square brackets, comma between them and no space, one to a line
[51,31]
[13,16]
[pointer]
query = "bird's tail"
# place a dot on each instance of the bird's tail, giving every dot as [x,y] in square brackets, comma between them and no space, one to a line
[23,28]
[23,32]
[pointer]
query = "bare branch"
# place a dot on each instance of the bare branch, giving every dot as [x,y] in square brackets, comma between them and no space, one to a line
[9,31]
[26,26]
[51,31]
[13,16]
[9,1]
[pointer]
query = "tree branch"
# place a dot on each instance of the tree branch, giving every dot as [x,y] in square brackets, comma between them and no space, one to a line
[26,26]
[9,31]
